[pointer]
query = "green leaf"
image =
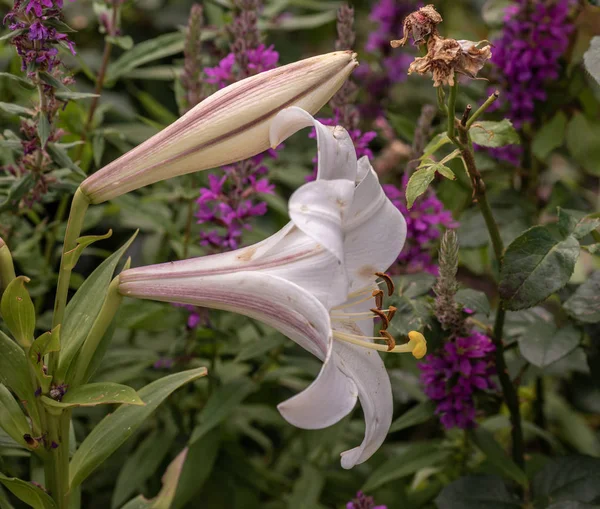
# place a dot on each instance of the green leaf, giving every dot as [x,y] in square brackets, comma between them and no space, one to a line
[60,156]
[591,58]
[416,415]
[11,34]
[299,22]
[98,145]
[221,404]
[84,307]
[418,183]
[576,223]
[94,394]
[412,459]
[307,488]
[12,418]
[117,427]
[415,285]
[550,136]
[150,50]
[473,299]
[259,347]
[574,478]
[43,129]
[435,144]
[29,493]
[142,464]
[488,133]
[18,311]
[46,343]
[15,109]
[444,171]
[52,81]
[584,304]
[71,257]
[411,314]
[67,95]
[536,264]
[582,141]
[497,456]
[19,189]
[477,492]
[25,82]
[542,344]
[124,41]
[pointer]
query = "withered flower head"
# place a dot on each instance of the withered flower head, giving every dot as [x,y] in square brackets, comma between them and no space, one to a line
[445,57]
[419,25]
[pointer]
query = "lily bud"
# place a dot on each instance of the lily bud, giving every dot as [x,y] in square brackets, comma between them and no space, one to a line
[229,126]
[7,269]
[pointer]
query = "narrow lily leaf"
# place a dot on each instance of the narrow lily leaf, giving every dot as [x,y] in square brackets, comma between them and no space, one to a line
[28,493]
[12,419]
[416,415]
[72,256]
[18,311]
[117,427]
[14,373]
[84,307]
[497,456]
[46,343]
[103,393]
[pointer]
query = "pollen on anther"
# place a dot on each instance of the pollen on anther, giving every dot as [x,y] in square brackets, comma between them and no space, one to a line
[389,339]
[388,282]
[378,294]
[384,318]
[391,312]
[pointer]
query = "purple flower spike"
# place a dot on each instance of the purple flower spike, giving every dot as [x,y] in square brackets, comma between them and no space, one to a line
[363,502]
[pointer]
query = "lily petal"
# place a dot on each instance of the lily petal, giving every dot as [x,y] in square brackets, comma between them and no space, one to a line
[375,229]
[336,152]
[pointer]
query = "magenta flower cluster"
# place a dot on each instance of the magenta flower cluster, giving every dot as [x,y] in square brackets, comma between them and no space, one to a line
[37,40]
[230,201]
[454,376]
[424,222]
[534,37]
[363,502]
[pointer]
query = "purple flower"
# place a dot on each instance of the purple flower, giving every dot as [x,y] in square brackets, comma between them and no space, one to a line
[423,222]
[363,502]
[453,376]
[38,6]
[259,59]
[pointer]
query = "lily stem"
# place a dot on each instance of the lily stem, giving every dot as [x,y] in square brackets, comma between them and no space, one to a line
[56,466]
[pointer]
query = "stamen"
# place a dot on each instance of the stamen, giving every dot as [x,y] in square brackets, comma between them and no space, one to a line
[378,294]
[389,339]
[417,344]
[388,282]
[391,312]
[364,291]
[383,316]
[365,314]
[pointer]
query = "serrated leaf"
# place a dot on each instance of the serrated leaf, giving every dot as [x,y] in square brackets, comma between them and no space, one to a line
[584,304]
[60,156]
[18,311]
[15,109]
[72,256]
[536,264]
[487,133]
[94,394]
[117,427]
[476,492]
[591,59]
[543,344]
[27,492]
[416,415]
[576,223]
[418,183]
[46,343]
[496,455]
[473,299]
[83,309]
[12,418]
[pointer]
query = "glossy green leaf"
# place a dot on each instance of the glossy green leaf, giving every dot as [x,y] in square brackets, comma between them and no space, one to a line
[221,404]
[46,343]
[416,415]
[543,344]
[12,418]
[412,459]
[83,309]
[497,456]
[477,492]
[18,311]
[487,133]
[94,394]
[14,373]
[584,304]
[576,223]
[550,136]
[72,256]
[474,300]
[117,427]
[536,264]
[29,493]
[568,478]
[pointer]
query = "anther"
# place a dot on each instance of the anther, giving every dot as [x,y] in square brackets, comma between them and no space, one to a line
[391,312]
[378,294]
[389,339]
[388,282]
[384,318]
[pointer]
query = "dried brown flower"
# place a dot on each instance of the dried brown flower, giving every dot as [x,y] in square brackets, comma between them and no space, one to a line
[420,24]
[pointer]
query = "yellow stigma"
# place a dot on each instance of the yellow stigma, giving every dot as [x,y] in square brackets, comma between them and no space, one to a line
[419,344]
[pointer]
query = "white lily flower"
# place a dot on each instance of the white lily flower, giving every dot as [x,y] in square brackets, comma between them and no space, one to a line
[230,125]
[315,281]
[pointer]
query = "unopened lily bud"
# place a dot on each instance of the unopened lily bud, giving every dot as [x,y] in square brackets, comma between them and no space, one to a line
[229,126]
[419,25]
[7,269]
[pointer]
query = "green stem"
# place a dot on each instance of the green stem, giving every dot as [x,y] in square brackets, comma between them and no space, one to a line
[74,224]
[482,109]
[56,467]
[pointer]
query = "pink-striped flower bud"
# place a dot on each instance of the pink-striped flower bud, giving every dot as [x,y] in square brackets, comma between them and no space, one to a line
[229,126]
